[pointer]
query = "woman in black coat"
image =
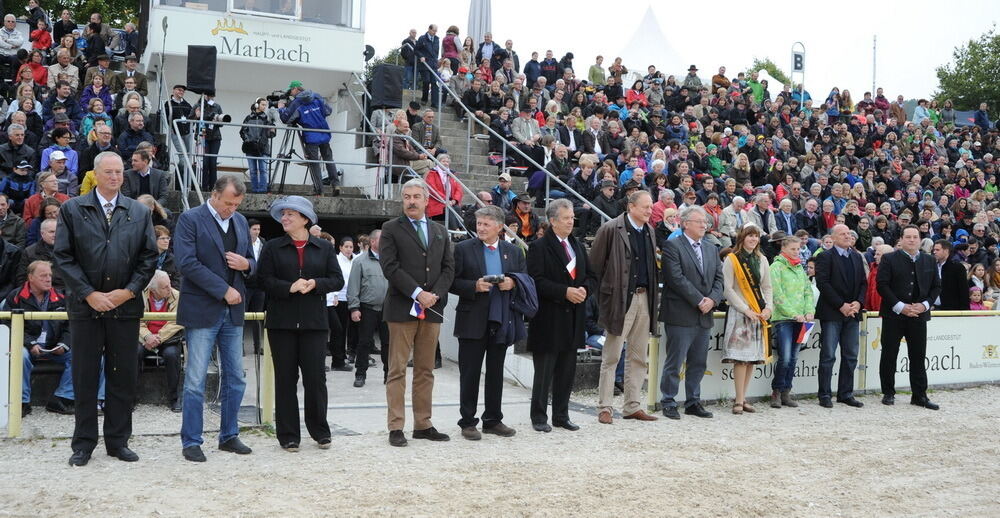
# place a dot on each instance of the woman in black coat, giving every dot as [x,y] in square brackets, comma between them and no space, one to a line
[297,271]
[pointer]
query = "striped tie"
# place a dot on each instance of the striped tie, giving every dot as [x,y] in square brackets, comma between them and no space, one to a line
[108,210]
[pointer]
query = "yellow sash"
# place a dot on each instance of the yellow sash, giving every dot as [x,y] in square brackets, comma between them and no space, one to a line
[755,299]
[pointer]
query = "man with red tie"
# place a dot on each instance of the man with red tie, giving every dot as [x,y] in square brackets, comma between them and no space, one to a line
[558,264]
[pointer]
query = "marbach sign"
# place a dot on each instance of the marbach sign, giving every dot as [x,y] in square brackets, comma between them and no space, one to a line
[237,41]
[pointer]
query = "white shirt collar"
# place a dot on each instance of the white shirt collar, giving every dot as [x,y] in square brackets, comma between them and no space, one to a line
[841,251]
[495,244]
[103,202]
[638,228]
[216,215]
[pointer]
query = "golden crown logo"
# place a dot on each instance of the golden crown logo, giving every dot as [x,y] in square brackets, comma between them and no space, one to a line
[228,24]
[991,352]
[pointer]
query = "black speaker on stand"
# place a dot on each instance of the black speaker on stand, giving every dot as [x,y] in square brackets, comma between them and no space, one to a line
[201,66]
[387,86]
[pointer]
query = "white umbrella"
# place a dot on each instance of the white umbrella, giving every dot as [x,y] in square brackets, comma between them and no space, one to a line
[480,19]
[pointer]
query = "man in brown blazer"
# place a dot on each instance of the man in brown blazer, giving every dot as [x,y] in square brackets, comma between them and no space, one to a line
[416,257]
[623,257]
[117,81]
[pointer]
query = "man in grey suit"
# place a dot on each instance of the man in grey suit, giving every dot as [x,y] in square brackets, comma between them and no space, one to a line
[143,179]
[692,287]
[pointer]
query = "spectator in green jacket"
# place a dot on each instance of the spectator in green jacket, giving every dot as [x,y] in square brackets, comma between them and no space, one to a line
[792,295]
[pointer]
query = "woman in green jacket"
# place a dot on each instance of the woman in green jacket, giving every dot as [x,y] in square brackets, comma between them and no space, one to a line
[792,296]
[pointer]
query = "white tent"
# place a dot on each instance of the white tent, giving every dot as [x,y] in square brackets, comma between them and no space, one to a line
[649,46]
[480,19]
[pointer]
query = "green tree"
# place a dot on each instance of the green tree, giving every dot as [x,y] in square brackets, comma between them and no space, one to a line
[971,78]
[771,68]
[115,12]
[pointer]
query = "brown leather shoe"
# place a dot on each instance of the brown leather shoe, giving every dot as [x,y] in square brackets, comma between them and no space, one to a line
[640,415]
[604,417]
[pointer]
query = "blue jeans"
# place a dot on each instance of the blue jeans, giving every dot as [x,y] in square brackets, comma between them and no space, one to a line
[788,353]
[832,332]
[258,173]
[408,77]
[65,388]
[201,342]
[592,340]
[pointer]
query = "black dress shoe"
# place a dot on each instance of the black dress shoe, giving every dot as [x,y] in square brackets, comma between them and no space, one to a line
[359,381]
[175,406]
[431,434]
[567,424]
[926,403]
[396,438]
[341,368]
[851,402]
[888,400]
[59,405]
[124,454]
[290,447]
[25,409]
[235,445]
[79,458]
[671,413]
[194,454]
[541,427]
[437,363]
[698,411]
[825,402]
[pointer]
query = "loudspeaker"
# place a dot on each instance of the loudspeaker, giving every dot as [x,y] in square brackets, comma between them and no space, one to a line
[201,68]
[387,86]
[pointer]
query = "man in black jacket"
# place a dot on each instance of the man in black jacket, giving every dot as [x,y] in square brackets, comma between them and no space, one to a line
[840,277]
[406,51]
[954,283]
[478,334]
[106,253]
[908,286]
[142,178]
[490,50]
[15,150]
[477,100]
[105,142]
[10,258]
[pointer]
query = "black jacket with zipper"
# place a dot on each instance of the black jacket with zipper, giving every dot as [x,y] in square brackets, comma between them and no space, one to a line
[278,268]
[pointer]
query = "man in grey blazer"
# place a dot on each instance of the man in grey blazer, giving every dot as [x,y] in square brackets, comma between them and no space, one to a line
[692,287]
[143,179]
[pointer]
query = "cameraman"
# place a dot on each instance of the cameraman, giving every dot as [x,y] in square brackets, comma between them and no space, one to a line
[310,110]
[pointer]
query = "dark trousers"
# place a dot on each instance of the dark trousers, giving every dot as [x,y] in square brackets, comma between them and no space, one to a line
[347,338]
[915,332]
[255,303]
[296,351]
[315,152]
[171,353]
[338,356]
[210,165]
[554,373]
[114,341]
[371,322]
[430,82]
[470,366]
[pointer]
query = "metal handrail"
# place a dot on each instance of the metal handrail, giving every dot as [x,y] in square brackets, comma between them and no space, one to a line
[549,176]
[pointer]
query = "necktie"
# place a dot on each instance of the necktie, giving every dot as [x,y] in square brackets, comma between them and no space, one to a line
[697,252]
[739,219]
[571,267]
[420,232]
[491,247]
[108,210]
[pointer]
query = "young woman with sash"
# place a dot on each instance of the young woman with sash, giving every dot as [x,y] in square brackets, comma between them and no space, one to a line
[747,281]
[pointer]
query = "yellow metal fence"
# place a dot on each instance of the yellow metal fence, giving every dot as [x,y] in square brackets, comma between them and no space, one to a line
[17,318]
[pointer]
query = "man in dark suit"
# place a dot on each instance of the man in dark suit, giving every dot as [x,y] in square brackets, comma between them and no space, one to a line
[105,251]
[624,260]
[559,266]
[478,334]
[427,51]
[212,248]
[418,263]
[490,50]
[954,283]
[810,220]
[692,286]
[908,286]
[143,179]
[840,277]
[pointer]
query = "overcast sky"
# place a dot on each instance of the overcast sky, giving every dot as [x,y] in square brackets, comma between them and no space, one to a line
[914,37]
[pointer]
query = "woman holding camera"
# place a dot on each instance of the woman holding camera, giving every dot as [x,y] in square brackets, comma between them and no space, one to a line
[297,271]
[255,144]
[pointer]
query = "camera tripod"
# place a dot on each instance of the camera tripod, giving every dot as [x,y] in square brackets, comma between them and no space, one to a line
[286,150]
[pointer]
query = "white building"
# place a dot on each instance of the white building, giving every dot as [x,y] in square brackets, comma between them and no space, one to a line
[263,45]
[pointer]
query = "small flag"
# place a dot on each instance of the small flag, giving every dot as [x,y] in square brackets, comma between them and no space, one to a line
[417,311]
[804,333]
[571,268]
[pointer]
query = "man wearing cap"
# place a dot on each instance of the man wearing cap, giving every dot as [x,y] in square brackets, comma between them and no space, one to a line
[214,257]
[417,260]
[177,107]
[527,134]
[15,150]
[310,110]
[527,222]
[69,184]
[100,69]
[117,81]
[501,194]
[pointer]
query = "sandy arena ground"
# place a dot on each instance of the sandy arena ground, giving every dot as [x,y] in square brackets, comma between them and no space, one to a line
[810,461]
